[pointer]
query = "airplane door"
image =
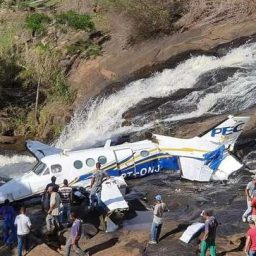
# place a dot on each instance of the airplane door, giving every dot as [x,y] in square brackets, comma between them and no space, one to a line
[125,162]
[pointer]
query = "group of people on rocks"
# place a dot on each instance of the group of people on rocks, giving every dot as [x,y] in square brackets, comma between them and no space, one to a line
[211,223]
[209,235]
[56,202]
[15,227]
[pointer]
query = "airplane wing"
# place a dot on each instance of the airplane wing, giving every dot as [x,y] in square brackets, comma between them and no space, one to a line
[112,197]
[112,192]
[40,150]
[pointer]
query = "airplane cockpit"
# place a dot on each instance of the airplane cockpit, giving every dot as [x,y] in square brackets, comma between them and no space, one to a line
[39,168]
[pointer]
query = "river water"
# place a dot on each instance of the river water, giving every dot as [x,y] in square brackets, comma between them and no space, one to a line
[201,85]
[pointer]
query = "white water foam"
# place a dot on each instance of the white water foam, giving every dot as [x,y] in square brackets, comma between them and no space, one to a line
[10,160]
[102,118]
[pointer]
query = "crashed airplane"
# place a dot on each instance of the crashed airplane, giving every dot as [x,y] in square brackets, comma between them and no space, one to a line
[203,158]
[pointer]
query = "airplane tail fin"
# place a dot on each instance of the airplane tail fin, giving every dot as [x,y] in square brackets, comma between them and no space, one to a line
[228,131]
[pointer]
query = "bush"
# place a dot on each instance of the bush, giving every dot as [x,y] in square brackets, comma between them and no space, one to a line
[36,22]
[75,20]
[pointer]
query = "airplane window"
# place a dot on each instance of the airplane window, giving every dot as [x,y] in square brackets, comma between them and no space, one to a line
[38,168]
[56,168]
[78,164]
[47,171]
[102,159]
[144,153]
[90,162]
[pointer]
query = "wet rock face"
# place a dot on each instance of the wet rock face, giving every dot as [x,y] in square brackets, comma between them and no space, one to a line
[183,101]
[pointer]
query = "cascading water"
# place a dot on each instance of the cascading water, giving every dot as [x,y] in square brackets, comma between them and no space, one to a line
[103,118]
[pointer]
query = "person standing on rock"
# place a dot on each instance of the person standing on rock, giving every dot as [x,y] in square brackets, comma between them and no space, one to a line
[96,185]
[66,199]
[52,217]
[208,239]
[75,235]
[249,191]
[253,207]
[250,245]
[157,223]
[23,224]
[8,214]
[46,196]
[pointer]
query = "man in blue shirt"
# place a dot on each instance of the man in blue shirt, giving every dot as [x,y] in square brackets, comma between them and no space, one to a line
[8,214]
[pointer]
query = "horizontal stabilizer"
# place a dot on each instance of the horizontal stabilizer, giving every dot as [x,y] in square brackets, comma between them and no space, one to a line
[40,150]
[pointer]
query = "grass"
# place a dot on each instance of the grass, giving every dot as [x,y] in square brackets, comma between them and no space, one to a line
[88,47]
[61,90]
[36,22]
[7,37]
[75,20]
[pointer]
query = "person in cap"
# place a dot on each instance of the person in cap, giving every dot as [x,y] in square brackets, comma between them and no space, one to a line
[157,223]
[208,239]
[249,191]
[250,244]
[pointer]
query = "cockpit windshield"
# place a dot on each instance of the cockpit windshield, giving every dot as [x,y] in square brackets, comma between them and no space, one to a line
[38,168]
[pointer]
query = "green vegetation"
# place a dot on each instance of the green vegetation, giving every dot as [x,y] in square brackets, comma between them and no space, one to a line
[36,22]
[61,90]
[8,33]
[75,20]
[89,47]
[34,92]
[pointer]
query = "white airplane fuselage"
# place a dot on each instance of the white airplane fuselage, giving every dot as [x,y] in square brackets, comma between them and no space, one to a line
[137,159]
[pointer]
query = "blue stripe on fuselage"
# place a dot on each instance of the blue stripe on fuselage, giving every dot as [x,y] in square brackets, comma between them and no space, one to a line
[143,167]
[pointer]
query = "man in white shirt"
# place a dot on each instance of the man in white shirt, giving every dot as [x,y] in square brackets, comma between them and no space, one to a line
[52,217]
[23,224]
